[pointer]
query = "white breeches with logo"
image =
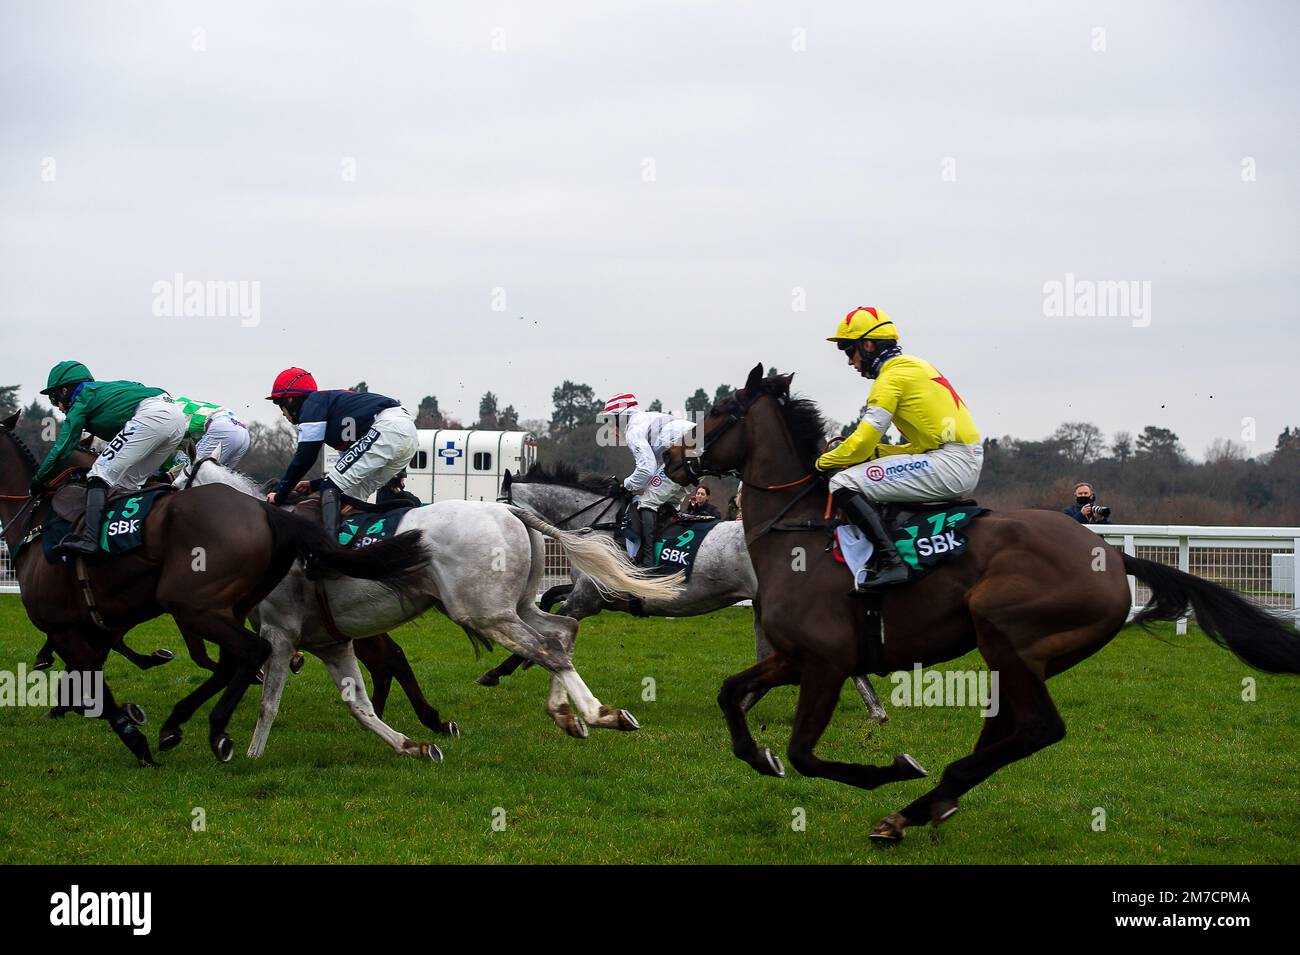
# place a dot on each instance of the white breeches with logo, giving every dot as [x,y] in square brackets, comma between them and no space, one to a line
[147,439]
[949,471]
[662,490]
[378,456]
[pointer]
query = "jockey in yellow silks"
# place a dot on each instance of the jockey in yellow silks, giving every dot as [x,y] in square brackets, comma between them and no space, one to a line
[942,454]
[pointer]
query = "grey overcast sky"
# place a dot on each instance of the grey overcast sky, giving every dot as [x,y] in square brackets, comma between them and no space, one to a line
[649,183]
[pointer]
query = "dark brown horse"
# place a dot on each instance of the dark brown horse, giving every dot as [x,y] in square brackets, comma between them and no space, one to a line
[210,555]
[1034,592]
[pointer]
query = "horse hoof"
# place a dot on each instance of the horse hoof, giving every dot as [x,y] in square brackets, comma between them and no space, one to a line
[146,762]
[942,809]
[54,714]
[223,747]
[164,655]
[258,678]
[452,729]
[296,663]
[431,752]
[627,722]
[909,768]
[168,739]
[42,663]
[889,830]
[576,728]
[488,679]
[770,764]
[135,713]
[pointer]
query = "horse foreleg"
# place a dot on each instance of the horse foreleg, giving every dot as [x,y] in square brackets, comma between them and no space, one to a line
[375,654]
[819,694]
[342,664]
[274,674]
[773,670]
[392,663]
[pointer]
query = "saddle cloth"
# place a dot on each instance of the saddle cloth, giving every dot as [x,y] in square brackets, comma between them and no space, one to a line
[925,535]
[124,516]
[363,529]
[677,544]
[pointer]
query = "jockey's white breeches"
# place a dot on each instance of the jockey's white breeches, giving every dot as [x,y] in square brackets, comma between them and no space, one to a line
[661,490]
[378,456]
[225,434]
[147,439]
[950,471]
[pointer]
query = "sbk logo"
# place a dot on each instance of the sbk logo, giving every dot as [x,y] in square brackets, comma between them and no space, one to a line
[123,527]
[945,543]
[117,444]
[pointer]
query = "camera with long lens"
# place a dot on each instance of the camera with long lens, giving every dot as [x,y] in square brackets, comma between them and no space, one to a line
[1100,512]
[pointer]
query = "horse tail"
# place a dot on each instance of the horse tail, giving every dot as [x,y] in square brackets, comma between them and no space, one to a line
[397,563]
[600,558]
[1258,638]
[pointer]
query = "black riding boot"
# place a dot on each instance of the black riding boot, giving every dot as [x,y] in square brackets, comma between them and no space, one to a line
[86,544]
[329,509]
[890,568]
[645,557]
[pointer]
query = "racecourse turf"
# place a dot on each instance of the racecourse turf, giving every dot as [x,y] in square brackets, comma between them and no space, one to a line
[1159,738]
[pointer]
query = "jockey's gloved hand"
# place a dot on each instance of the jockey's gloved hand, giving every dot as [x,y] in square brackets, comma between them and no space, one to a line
[37,488]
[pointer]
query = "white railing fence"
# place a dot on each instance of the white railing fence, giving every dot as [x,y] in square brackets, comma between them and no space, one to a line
[1257,562]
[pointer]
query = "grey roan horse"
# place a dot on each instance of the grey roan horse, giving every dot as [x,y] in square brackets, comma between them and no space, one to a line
[722,575]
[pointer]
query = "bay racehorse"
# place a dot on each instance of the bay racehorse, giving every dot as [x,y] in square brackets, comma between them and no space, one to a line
[1033,591]
[722,575]
[209,557]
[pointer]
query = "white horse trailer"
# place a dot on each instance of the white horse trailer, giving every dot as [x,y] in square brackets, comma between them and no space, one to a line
[463,465]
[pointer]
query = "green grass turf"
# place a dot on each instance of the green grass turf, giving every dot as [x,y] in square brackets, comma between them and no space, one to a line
[1158,736]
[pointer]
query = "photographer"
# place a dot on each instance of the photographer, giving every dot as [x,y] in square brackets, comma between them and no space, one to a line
[1085,508]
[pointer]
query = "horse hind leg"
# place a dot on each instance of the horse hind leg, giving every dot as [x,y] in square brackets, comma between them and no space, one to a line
[98,701]
[1026,721]
[819,694]
[342,664]
[594,712]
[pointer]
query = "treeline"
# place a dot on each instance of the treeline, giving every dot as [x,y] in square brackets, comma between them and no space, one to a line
[1147,478]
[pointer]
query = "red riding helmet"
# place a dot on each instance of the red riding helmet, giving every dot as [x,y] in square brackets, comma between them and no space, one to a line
[290,382]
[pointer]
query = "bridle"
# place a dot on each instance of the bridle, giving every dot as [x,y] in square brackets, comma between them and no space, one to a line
[696,467]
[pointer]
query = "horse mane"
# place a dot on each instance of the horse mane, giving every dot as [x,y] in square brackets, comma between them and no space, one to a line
[807,426]
[213,473]
[27,454]
[565,475]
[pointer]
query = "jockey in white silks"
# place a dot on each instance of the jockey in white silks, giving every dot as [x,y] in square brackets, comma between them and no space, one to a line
[648,434]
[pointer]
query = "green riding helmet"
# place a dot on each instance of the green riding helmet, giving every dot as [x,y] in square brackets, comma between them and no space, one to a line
[66,373]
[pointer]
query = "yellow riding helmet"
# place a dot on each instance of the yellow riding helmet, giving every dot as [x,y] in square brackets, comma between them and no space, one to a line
[864,323]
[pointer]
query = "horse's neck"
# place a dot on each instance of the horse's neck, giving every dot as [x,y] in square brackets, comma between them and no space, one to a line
[774,462]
